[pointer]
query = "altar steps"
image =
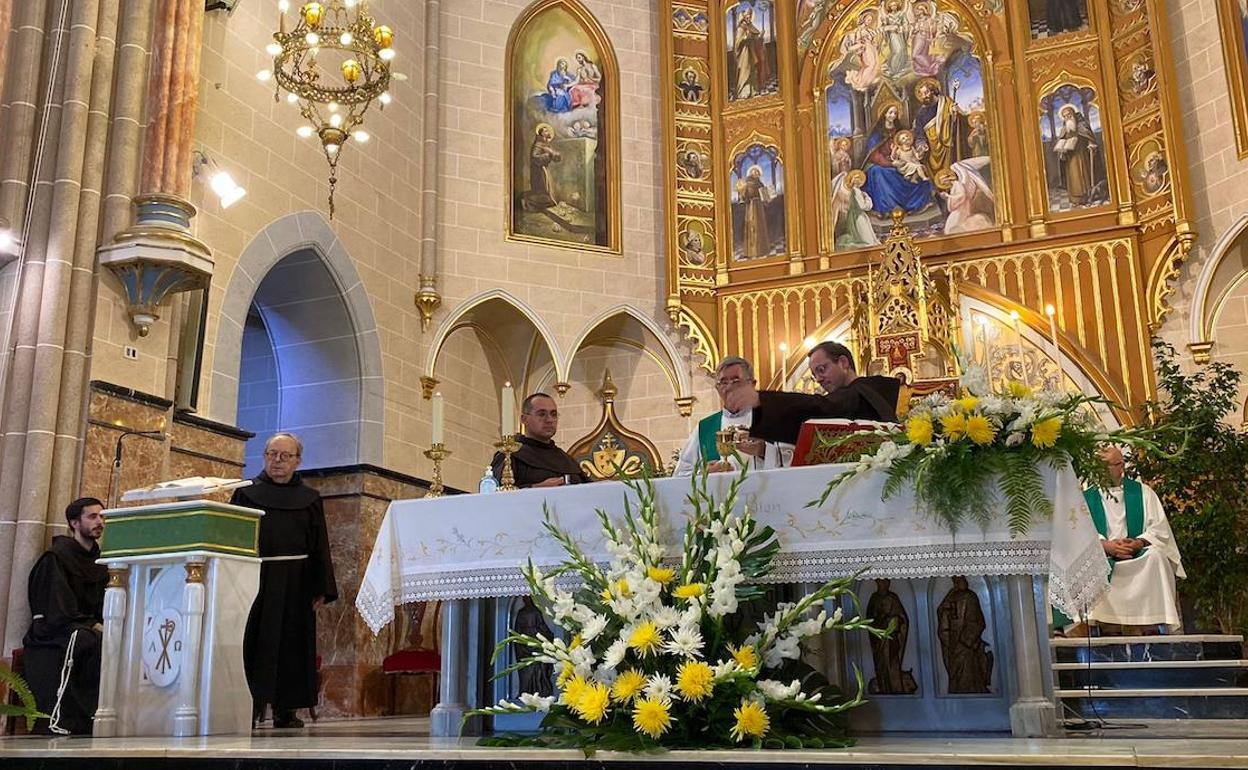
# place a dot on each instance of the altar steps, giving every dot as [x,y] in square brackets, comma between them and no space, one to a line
[1193,676]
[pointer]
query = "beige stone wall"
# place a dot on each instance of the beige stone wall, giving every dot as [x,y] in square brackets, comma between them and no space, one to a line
[378,220]
[1217,177]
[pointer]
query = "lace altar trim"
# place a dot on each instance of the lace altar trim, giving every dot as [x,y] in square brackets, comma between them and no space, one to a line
[1077,589]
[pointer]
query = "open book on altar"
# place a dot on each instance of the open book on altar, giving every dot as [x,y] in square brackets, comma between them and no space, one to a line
[192,486]
[809,450]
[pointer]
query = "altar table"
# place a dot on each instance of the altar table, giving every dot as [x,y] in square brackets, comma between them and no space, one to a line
[469,547]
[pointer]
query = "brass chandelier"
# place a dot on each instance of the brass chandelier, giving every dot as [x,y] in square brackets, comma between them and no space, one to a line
[333,64]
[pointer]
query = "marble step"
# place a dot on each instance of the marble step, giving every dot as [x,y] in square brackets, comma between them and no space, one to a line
[1153,674]
[1149,648]
[1158,703]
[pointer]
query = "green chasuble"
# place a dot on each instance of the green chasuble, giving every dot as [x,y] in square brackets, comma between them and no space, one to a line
[707,428]
[1133,502]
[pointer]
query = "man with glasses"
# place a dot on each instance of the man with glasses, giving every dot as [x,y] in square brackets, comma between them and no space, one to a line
[296,578]
[539,463]
[779,416]
[732,374]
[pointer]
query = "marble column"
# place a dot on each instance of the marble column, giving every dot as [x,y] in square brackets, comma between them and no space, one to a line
[49,189]
[158,255]
[427,298]
[1032,714]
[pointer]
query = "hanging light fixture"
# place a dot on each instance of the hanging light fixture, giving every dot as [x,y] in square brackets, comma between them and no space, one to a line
[333,64]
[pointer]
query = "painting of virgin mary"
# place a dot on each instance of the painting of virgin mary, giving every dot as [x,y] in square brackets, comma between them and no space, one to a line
[886,185]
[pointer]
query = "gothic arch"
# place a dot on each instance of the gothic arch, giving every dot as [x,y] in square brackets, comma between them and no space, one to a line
[1221,272]
[305,234]
[640,331]
[522,342]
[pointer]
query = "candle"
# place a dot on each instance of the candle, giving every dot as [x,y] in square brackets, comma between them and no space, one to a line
[983,325]
[1018,346]
[784,364]
[438,419]
[509,409]
[1051,312]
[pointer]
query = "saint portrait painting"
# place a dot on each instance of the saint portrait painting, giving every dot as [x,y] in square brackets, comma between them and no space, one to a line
[908,127]
[757,180]
[751,46]
[562,129]
[1074,154]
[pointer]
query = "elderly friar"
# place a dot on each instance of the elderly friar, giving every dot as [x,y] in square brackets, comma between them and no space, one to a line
[732,374]
[296,579]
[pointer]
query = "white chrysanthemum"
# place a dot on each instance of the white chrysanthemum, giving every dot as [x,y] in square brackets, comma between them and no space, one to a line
[778,691]
[1014,439]
[666,617]
[614,655]
[537,702]
[975,379]
[685,641]
[659,687]
[593,627]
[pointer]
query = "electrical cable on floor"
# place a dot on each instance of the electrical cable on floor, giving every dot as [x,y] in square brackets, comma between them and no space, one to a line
[1098,722]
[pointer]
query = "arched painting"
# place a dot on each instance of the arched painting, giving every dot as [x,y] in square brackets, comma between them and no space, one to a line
[1074,154]
[907,124]
[563,103]
[757,179]
[751,29]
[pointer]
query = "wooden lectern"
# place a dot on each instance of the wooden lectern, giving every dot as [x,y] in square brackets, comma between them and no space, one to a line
[182,577]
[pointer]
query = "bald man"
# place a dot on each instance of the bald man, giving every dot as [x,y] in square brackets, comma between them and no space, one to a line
[1140,547]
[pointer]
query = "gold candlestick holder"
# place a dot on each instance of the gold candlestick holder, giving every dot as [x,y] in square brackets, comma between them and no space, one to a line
[508,446]
[438,452]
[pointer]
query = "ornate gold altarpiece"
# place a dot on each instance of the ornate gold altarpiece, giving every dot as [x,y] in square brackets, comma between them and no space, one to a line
[1106,269]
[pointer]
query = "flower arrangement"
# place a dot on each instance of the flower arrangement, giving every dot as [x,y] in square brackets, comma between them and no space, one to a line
[662,650]
[957,452]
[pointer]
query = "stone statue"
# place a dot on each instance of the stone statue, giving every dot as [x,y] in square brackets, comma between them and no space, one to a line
[960,627]
[535,678]
[886,654]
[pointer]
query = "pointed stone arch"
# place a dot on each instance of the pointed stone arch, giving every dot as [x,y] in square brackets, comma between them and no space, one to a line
[627,325]
[1221,273]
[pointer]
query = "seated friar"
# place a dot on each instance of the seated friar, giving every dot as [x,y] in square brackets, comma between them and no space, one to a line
[1140,546]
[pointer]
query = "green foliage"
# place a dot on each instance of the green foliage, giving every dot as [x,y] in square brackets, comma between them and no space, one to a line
[1199,472]
[28,708]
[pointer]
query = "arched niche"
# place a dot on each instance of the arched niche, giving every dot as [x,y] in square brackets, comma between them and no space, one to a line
[1219,278]
[296,277]
[562,105]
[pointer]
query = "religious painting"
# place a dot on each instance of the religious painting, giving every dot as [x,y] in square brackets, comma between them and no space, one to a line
[1150,171]
[689,21]
[1138,76]
[1056,17]
[563,101]
[907,126]
[751,49]
[697,246]
[1233,23]
[692,164]
[1074,149]
[757,183]
[691,86]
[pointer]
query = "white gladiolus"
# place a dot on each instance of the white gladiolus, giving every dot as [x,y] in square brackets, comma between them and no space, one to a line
[777,691]
[537,702]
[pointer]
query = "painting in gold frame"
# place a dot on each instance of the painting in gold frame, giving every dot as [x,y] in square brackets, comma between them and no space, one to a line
[563,136]
[1233,21]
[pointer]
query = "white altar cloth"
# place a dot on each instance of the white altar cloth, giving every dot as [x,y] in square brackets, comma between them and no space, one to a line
[472,546]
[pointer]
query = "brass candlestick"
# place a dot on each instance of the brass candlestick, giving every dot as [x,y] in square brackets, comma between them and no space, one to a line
[438,452]
[508,446]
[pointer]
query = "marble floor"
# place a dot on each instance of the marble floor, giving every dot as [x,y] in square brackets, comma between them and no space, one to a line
[1146,745]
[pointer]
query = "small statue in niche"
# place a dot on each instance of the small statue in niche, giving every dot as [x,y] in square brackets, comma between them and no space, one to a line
[960,627]
[535,678]
[886,654]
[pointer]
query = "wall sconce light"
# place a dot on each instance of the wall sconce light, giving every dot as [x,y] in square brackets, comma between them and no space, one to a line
[221,181]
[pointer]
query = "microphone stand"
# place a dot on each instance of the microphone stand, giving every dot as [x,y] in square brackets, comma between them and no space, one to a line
[114,478]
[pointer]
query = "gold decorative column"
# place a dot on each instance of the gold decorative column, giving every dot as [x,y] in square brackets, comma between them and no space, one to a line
[157,255]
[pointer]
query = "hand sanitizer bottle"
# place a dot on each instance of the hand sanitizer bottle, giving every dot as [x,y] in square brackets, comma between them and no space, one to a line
[488,484]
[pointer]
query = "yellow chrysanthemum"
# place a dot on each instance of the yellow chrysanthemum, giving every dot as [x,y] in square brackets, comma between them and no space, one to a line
[953,426]
[593,704]
[745,656]
[621,588]
[628,685]
[651,716]
[606,594]
[752,721]
[576,642]
[690,591]
[645,638]
[565,674]
[1018,389]
[919,430]
[695,680]
[661,575]
[572,691]
[1044,433]
[966,403]
[980,430]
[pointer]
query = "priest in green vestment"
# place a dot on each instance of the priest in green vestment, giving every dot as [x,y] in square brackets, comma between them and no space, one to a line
[732,373]
[1144,559]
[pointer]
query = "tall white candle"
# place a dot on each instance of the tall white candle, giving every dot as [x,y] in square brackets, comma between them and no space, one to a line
[1018,346]
[1051,312]
[509,409]
[438,419]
